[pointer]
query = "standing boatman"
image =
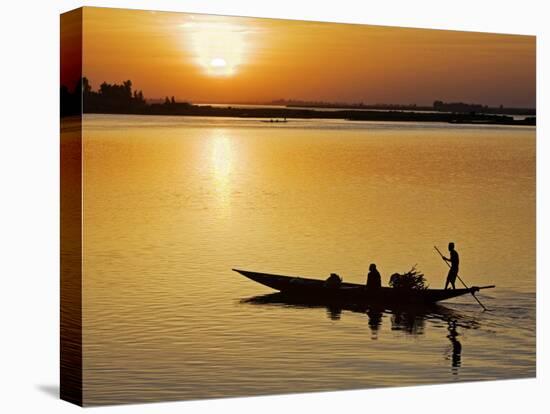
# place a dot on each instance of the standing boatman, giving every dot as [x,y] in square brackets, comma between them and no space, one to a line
[453,271]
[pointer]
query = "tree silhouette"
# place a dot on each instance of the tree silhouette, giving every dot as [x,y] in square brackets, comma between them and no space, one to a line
[71,101]
[112,98]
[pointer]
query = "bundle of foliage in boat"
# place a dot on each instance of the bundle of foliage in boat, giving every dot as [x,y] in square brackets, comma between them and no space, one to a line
[411,280]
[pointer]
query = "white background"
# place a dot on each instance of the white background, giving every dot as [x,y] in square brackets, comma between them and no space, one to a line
[29,193]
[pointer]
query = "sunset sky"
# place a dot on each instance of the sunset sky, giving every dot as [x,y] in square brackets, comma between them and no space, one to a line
[205,58]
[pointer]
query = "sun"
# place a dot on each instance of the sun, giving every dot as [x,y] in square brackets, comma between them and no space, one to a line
[218,63]
[219,47]
[220,67]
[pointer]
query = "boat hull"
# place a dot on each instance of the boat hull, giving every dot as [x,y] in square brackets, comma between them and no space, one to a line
[316,290]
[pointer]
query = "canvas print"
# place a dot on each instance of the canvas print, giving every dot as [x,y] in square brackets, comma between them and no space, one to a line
[258,206]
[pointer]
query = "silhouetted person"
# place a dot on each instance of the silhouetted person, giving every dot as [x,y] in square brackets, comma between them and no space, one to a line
[453,271]
[374,281]
[333,281]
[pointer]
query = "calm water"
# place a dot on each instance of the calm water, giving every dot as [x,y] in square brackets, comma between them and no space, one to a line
[173,203]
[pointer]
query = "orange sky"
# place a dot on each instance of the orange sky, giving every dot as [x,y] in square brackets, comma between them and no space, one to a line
[205,58]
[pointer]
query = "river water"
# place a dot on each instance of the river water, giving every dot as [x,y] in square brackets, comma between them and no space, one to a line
[172,204]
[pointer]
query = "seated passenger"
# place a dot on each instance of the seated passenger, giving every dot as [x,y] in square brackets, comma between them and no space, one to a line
[374,281]
[333,281]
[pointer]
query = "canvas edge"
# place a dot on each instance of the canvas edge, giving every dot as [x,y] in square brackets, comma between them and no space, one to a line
[70,147]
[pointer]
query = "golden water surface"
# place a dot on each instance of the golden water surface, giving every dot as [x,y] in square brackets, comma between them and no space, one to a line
[171,204]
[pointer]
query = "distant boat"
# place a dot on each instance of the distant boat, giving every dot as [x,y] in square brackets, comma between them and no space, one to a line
[316,290]
[273,121]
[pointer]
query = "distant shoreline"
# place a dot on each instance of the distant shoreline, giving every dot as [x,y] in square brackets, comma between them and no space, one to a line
[278,114]
[438,106]
[122,99]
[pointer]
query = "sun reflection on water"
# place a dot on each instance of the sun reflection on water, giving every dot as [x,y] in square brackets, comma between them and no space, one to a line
[222,163]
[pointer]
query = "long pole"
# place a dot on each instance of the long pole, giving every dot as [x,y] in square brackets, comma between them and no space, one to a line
[475,297]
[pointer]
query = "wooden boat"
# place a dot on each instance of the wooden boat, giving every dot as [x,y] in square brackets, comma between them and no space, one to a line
[274,121]
[353,293]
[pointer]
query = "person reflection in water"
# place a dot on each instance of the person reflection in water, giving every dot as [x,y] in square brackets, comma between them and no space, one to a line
[374,281]
[453,271]
[457,346]
[334,312]
[375,320]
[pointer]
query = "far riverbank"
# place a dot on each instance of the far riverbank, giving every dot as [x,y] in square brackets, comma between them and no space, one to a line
[278,114]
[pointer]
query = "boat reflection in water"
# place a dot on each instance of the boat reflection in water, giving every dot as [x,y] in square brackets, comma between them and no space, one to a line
[410,320]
